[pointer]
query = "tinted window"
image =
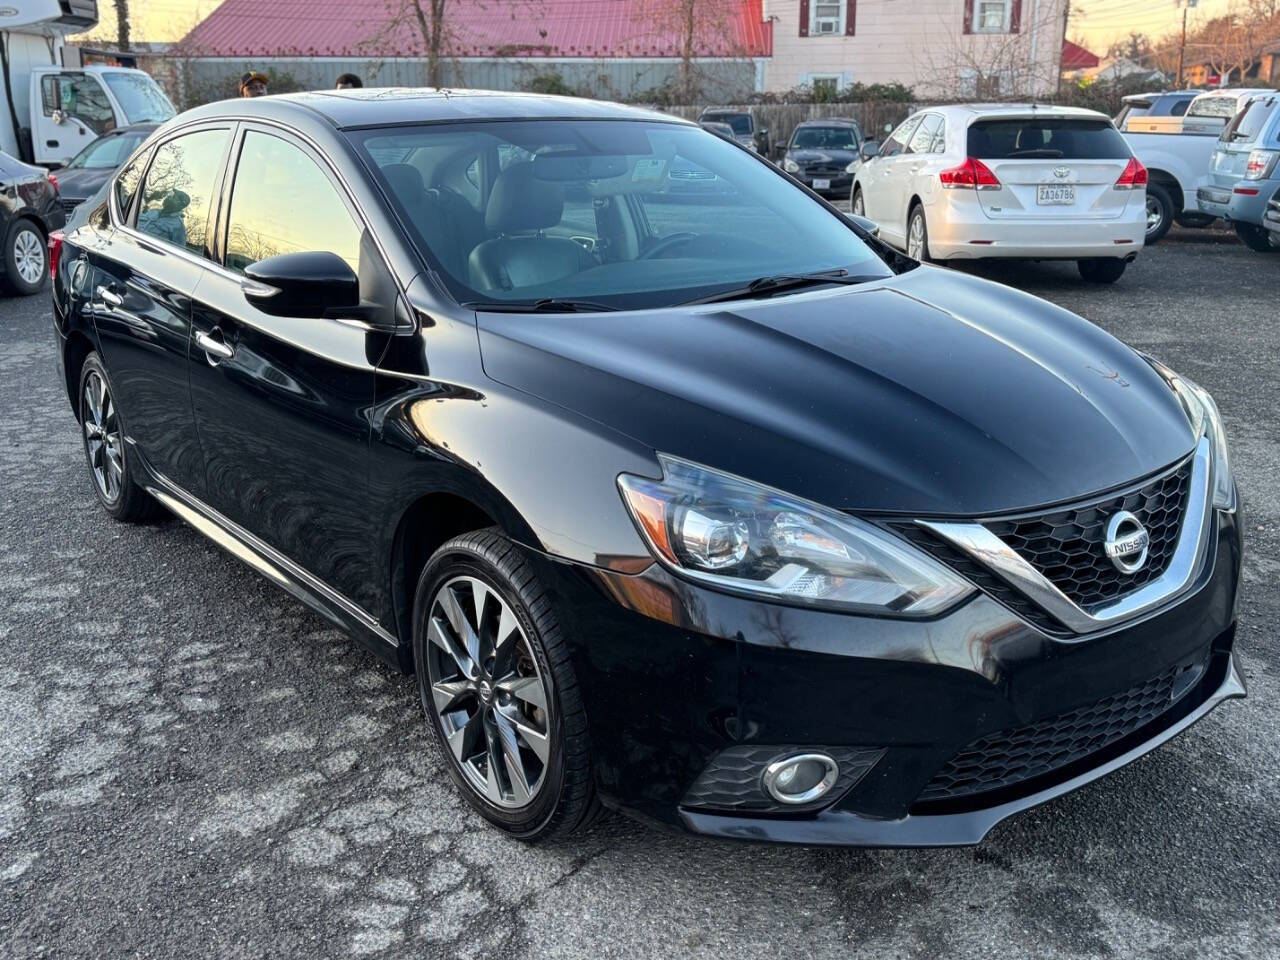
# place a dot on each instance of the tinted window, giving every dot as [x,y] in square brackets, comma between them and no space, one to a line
[127,184]
[282,202]
[922,140]
[633,214]
[831,138]
[1179,108]
[178,193]
[1068,139]
[107,153]
[900,137]
[1251,121]
[740,122]
[79,96]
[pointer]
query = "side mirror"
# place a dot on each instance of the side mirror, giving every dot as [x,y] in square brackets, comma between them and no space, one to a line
[869,150]
[310,284]
[870,226]
[58,117]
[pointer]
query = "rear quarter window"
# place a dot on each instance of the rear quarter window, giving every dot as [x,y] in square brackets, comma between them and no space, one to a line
[1250,122]
[1046,138]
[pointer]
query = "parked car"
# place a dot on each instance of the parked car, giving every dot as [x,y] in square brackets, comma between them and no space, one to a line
[1174,162]
[29,210]
[1243,172]
[743,125]
[820,152]
[93,166]
[1167,103]
[1027,182]
[734,518]
[1212,110]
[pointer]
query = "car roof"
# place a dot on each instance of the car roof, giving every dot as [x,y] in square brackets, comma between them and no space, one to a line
[977,111]
[385,106]
[1157,94]
[828,122]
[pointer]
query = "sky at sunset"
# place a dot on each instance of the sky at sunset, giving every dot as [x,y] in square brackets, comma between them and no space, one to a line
[1097,22]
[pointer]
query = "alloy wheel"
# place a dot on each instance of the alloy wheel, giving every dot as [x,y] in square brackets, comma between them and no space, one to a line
[102,437]
[1154,213]
[915,238]
[858,204]
[28,256]
[488,694]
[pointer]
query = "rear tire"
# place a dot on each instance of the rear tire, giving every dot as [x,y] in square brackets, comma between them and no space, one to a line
[1258,238]
[1160,212]
[102,435]
[498,683]
[917,235]
[26,257]
[1102,270]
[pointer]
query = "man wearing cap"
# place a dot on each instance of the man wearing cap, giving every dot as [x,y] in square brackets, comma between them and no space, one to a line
[253,84]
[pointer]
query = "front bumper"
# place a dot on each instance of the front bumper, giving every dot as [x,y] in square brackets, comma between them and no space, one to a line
[673,674]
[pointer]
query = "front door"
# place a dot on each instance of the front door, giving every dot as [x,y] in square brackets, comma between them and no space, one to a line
[74,111]
[283,404]
[881,198]
[144,274]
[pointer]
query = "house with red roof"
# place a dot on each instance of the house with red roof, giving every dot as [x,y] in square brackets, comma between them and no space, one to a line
[603,48]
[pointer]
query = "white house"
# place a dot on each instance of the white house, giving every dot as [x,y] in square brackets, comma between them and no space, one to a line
[988,48]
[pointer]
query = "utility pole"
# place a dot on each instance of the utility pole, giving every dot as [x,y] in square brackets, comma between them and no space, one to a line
[1182,43]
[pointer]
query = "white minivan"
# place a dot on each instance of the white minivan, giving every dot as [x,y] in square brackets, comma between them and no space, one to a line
[1011,181]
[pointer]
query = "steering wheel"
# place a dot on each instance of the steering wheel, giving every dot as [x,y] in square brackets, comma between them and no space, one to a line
[666,243]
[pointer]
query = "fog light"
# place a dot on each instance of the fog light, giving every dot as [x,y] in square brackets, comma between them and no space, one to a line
[800,779]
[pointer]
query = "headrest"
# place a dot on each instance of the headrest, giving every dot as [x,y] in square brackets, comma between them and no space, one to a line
[519,202]
[405,180]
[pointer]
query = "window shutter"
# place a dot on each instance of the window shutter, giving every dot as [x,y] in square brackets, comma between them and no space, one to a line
[850,16]
[1015,16]
[804,18]
[968,15]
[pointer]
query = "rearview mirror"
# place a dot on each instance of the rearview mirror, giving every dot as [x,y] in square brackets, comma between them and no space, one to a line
[310,284]
[869,150]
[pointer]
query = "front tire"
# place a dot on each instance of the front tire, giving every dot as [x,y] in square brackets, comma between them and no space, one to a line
[856,204]
[102,434]
[498,688]
[1102,270]
[1259,239]
[917,235]
[26,258]
[1160,213]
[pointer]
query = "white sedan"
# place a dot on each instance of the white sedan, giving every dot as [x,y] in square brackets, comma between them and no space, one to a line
[1026,182]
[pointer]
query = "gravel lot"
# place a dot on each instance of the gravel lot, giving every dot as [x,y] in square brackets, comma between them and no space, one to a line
[193,765]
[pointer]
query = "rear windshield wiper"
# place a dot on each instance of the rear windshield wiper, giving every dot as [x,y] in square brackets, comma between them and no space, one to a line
[781,282]
[1049,152]
[545,305]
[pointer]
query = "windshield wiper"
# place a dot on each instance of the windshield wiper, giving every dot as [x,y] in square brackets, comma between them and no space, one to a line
[545,305]
[1049,152]
[781,282]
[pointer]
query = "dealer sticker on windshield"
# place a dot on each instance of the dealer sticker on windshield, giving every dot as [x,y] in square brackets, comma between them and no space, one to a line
[1055,193]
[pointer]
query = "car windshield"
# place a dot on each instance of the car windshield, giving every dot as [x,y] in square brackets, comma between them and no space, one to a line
[740,122]
[140,98]
[1046,138]
[830,138]
[624,214]
[107,153]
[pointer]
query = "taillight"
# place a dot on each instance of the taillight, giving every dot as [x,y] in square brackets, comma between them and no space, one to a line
[55,252]
[1260,164]
[1134,176]
[53,180]
[971,175]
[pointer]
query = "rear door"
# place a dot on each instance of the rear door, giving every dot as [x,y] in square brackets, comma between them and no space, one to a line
[1051,168]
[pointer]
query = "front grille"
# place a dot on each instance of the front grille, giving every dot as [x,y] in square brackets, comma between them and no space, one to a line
[1013,756]
[1066,546]
[68,204]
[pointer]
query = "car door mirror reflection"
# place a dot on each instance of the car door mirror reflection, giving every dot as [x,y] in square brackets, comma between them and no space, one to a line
[309,284]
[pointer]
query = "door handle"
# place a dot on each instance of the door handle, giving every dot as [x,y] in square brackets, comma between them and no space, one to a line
[110,297]
[215,348]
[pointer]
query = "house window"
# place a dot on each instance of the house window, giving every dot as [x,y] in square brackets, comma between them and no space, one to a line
[991,16]
[826,18]
[825,88]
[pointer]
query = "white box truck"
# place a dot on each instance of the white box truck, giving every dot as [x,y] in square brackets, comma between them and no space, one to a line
[50,111]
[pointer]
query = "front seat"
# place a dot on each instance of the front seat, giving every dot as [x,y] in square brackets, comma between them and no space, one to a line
[519,209]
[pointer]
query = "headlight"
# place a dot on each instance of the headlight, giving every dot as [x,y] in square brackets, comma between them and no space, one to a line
[1206,421]
[740,536]
[790,166]
[853,166]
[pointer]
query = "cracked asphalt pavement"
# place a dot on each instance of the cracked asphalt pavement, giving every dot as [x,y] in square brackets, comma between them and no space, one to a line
[194,765]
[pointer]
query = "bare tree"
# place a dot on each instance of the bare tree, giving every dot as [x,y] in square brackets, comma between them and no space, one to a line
[702,28]
[122,24]
[1022,60]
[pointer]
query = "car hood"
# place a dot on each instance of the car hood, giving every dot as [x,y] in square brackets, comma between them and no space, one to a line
[81,183]
[824,155]
[930,393]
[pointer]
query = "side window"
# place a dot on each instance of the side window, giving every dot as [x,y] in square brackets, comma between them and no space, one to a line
[78,96]
[922,140]
[179,189]
[126,184]
[899,138]
[939,144]
[282,202]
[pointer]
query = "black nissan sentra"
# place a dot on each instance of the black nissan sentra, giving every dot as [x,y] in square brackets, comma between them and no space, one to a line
[711,508]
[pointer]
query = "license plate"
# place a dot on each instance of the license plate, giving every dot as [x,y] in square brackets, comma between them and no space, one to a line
[1055,193]
[822,184]
[1214,196]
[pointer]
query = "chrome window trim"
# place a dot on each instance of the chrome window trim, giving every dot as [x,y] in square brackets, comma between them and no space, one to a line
[976,540]
[262,557]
